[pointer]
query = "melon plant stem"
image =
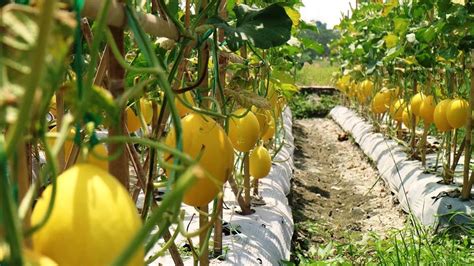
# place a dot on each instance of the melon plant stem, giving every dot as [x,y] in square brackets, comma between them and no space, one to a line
[467,182]
[45,22]
[222,63]
[8,210]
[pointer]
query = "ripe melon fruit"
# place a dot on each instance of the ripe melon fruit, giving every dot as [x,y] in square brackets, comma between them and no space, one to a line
[146,108]
[262,117]
[280,105]
[415,103]
[381,101]
[243,131]
[30,258]
[439,116]
[260,162]
[366,88]
[95,157]
[204,137]
[35,259]
[427,108]
[133,122]
[270,132]
[457,113]
[182,109]
[92,221]
[406,117]
[396,110]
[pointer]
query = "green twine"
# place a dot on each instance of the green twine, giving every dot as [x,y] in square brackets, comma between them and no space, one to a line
[78,63]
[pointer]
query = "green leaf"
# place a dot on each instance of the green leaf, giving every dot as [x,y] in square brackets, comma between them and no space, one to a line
[311,44]
[290,50]
[101,102]
[281,77]
[230,5]
[391,40]
[263,28]
[294,15]
[173,7]
[425,59]
[401,25]
[306,26]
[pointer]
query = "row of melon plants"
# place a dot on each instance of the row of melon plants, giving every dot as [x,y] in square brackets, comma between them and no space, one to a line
[105,102]
[410,65]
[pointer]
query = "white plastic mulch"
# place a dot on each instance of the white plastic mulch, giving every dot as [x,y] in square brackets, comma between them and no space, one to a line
[265,236]
[419,193]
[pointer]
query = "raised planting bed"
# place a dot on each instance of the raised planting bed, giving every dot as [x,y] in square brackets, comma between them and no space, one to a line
[262,238]
[420,193]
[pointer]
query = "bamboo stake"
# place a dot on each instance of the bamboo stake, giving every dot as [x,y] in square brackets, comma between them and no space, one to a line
[255,187]
[447,176]
[119,166]
[468,181]
[23,176]
[423,144]
[457,155]
[86,31]
[141,181]
[204,256]
[151,24]
[203,217]
[399,130]
[413,122]
[59,121]
[243,53]
[220,203]
[100,78]
[173,249]
[247,179]
[240,200]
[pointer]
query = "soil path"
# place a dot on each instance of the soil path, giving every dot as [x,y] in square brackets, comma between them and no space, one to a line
[337,195]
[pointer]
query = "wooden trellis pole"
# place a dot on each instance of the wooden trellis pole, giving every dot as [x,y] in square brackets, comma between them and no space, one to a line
[203,215]
[468,181]
[222,71]
[119,166]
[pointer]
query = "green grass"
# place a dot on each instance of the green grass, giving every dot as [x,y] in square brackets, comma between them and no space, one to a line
[318,73]
[412,245]
[302,106]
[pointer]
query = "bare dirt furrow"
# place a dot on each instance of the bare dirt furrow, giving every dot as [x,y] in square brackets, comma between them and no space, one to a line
[337,195]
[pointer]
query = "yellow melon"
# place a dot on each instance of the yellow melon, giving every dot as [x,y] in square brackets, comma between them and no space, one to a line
[457,113]
[244,130]
[204,137]
[439,116]
[427,108]
[92,221]
[260,162]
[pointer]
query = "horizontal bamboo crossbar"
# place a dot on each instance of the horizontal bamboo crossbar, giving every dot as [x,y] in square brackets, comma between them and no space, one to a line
[151,24]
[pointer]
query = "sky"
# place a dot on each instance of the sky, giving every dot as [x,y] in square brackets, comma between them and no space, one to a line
[327,11]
